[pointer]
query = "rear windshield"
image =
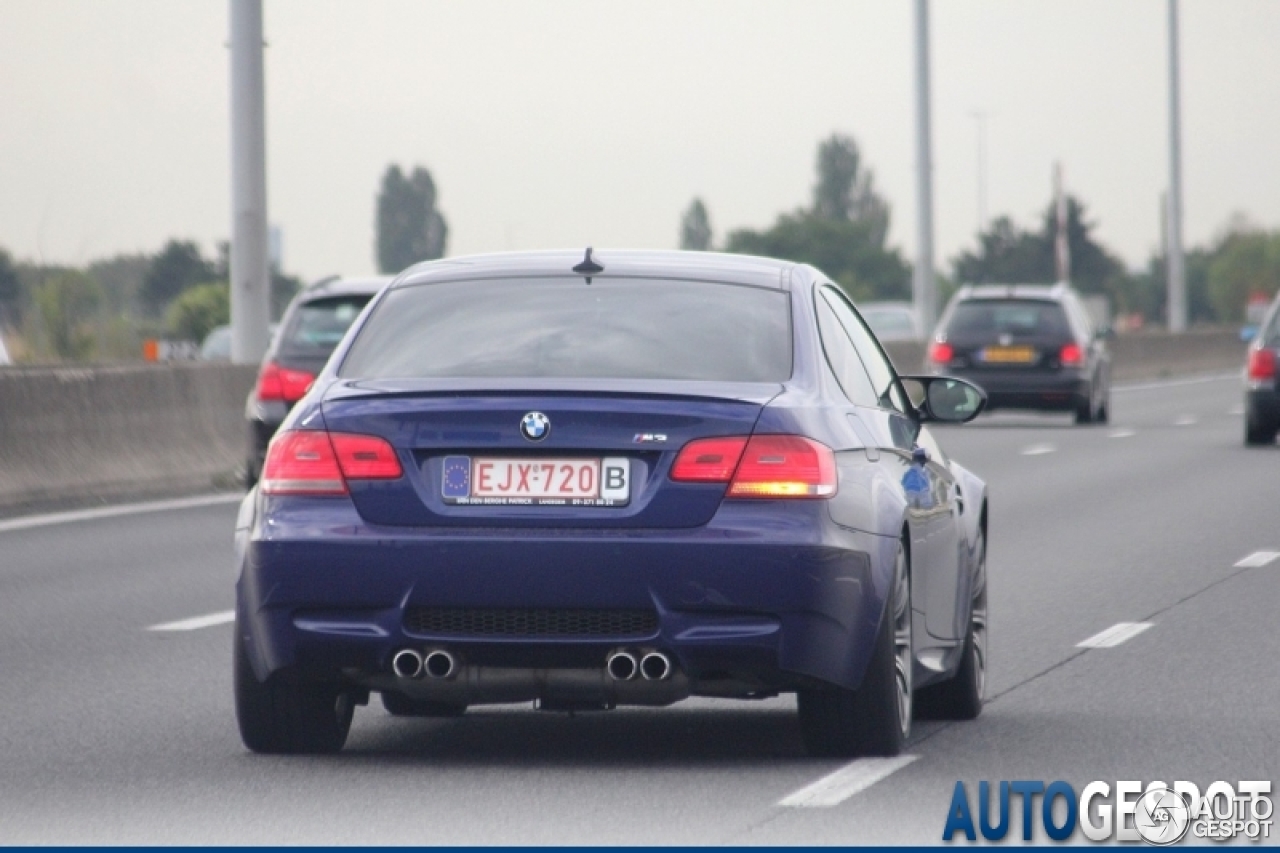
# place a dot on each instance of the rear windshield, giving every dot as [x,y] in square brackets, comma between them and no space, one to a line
[316,327]
[564,328]
[1018,317]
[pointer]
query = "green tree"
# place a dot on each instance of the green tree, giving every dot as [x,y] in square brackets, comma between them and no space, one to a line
[695,227]
[843,233]
[845,188]
[176,267]
[121,277]
[10,290]
[1245,261]
[1006,254]
[67,301]
[409,227]
[198,310]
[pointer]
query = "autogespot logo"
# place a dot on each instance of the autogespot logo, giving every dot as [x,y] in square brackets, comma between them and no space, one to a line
[1158,814]
[535,426]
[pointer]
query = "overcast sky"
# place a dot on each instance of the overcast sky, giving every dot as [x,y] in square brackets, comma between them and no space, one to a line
[562,123]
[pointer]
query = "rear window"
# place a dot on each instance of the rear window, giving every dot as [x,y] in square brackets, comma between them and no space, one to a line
[1017,317]
[316,327]
[564,328]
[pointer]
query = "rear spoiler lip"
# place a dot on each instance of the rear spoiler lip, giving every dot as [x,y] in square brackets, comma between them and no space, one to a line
[759,393]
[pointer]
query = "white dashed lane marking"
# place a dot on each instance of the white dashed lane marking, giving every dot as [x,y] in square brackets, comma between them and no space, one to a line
[1257,558]
[1185,420]
[1115,635]
[197,622]
[1039,449]
[1123,432]
[834,788]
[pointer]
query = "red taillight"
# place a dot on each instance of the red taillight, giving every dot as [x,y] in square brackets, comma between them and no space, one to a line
[941,352]
[1262,364]
[784,466]
[365,457]
[314,462]
[1071,355]
[762,466]
[282,383]
[708,460]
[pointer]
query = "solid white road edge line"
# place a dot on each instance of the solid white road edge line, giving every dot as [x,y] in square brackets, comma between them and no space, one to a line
[31,521]
[197,622]
[1256,559]
[834,788]
[1115,635]
[1038,449]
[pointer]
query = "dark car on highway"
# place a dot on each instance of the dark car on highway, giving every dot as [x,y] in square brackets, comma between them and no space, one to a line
[1262,394]
[312,325]
[625,478]
[1028,347]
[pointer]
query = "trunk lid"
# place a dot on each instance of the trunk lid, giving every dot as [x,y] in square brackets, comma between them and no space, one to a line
[467,462]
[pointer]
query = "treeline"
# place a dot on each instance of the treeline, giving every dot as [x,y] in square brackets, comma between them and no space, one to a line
[844,228]
[107,308]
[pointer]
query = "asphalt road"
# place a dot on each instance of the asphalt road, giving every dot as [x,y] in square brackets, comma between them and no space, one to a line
[113,733]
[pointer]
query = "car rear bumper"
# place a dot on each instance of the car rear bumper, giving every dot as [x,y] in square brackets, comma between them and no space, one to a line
[739,602]
[1028,389]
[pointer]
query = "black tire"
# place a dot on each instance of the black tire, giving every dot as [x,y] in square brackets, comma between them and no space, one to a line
[1084,409]
[875,719]
[1257,432]
[961,697]
[400,705]
[281,717]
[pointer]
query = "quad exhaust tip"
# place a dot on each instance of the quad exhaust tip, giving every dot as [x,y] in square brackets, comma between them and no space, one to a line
[440,664]
[407,664]
[621,666]
[655,666]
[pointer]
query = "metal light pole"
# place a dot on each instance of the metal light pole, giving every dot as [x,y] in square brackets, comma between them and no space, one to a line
[250,270]
[924,288]
[1176,271]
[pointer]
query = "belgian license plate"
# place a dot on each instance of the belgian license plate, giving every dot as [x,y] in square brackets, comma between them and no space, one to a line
[504,481]
[1009,355]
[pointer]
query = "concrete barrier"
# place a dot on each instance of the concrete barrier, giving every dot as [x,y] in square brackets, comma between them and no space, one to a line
[98,433]
[1135,356]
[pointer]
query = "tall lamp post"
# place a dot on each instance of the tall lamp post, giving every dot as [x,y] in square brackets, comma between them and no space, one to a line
[250,271]
[1177,282]
[923,286]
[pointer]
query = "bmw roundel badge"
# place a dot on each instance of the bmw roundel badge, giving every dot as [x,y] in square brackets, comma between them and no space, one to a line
[535,426]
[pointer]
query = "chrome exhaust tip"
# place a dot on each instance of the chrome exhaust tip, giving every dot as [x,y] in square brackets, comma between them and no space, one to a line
[655,666]
[621,666]
[439,664]
[407,664]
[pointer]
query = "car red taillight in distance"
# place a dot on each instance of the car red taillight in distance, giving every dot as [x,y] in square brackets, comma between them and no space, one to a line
[1262,365]
[1071,355]
[315,462]
[762,466]
[941,352]
[282,383]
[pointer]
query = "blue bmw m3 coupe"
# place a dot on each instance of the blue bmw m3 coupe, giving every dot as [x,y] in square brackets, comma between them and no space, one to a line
[612,478]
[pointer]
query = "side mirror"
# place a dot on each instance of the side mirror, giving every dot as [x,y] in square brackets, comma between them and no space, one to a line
[1105,333]
[944,399]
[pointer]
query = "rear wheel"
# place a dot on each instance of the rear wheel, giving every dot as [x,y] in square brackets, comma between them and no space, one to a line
[1084,409]
[875,719]
[1104,410]
[1257,431]
[279,716]
[961,697]
[400,705]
